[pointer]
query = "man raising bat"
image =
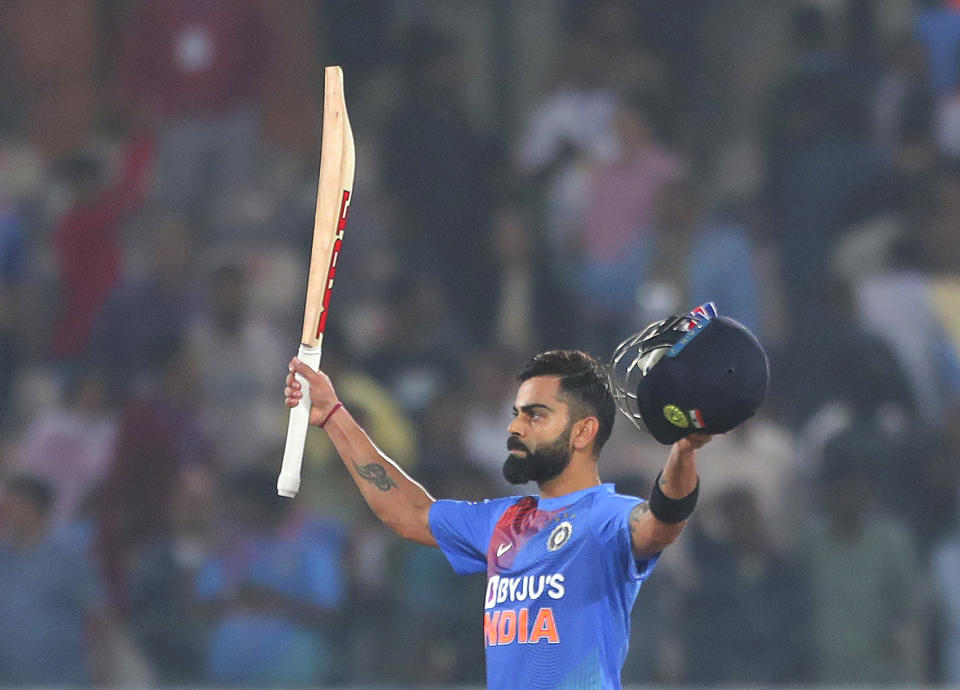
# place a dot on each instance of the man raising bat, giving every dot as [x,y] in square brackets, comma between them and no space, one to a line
[563,567]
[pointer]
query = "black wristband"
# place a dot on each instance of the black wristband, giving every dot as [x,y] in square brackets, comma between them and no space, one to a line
[672,510]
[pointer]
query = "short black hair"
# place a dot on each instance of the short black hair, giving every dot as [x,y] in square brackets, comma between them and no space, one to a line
[37,491]
[584,380]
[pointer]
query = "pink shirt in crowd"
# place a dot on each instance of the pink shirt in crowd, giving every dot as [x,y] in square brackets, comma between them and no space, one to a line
[621,201]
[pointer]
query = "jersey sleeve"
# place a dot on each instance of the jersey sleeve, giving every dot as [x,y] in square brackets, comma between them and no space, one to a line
[613,531]
[462,530]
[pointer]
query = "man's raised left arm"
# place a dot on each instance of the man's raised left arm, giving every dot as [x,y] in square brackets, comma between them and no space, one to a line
[657,523]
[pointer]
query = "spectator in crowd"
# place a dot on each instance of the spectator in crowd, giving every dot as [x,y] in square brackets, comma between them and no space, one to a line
[747,596]
[164,614]
[571,129]
[443,197]
[54,61]
[376,615]
[681,36]
[486,403]
[275,587]
[699,258]
[416,357]
[533,298]
[903,95]
[614,241]
[12,265]
[442,442]
[821,170]
[518,286]
[948,126]
[871,381]
[863,384]
[799,101]
[860,35]
[87,241]
[945,562]
[197,74]
[941,248]
[933,509]
[71,445]
[896,306]
[576,118]
[237,355]
[53,625]
[80,532]
[860,565]
[144,313]
[903,196]
[160,436]
[858,374]
[938,28]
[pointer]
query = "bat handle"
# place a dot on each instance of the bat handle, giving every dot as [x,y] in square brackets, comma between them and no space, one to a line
[288,483]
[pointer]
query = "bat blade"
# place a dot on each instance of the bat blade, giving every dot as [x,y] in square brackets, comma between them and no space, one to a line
[334,191]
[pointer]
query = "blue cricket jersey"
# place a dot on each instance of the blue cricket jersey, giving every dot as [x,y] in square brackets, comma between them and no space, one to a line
[561,580]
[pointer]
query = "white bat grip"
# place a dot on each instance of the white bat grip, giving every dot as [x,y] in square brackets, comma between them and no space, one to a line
[288,483]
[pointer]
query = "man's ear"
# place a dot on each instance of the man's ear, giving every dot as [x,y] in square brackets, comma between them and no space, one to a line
[584,432]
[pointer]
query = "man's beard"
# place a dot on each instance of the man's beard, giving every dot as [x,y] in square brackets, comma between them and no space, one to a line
[541,465]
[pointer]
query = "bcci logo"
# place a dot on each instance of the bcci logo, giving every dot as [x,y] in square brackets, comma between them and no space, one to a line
[676,416]
[559,536]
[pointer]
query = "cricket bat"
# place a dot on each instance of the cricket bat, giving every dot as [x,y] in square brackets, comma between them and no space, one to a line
[337,161]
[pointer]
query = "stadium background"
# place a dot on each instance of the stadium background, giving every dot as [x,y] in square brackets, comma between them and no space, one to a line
[530,174]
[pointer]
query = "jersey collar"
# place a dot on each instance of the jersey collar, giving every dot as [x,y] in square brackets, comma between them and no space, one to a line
[569,499]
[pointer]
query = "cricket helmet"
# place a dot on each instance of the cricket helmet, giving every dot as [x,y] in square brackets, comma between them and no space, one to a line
[689,373]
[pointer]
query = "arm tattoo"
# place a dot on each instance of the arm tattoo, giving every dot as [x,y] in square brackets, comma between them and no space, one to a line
[376,475]
[638,512]
[662,481]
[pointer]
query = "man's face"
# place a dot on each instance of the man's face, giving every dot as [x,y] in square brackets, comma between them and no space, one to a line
[539,441]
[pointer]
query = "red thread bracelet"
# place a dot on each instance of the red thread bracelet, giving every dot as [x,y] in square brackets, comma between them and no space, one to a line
[330,414]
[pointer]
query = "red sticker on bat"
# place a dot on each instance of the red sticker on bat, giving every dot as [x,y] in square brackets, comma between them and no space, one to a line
[344,210]
[332,268]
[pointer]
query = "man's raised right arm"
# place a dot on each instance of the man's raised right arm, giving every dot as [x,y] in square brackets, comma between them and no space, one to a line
[395,497]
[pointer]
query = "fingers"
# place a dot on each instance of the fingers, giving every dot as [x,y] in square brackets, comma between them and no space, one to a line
[292,394]
[296,366]
[693,441]
[317,384]
[699,440]
[292,391]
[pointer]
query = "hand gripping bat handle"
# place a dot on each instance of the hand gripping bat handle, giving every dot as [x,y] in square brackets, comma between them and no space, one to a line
[288,483]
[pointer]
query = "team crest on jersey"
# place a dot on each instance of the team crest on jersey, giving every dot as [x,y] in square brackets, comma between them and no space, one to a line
[559,536]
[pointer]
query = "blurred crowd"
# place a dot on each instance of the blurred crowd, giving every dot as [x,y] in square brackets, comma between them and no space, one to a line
[798,164]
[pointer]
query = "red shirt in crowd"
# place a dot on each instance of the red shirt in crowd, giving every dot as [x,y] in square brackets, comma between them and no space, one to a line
[195,57]
[87,244]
